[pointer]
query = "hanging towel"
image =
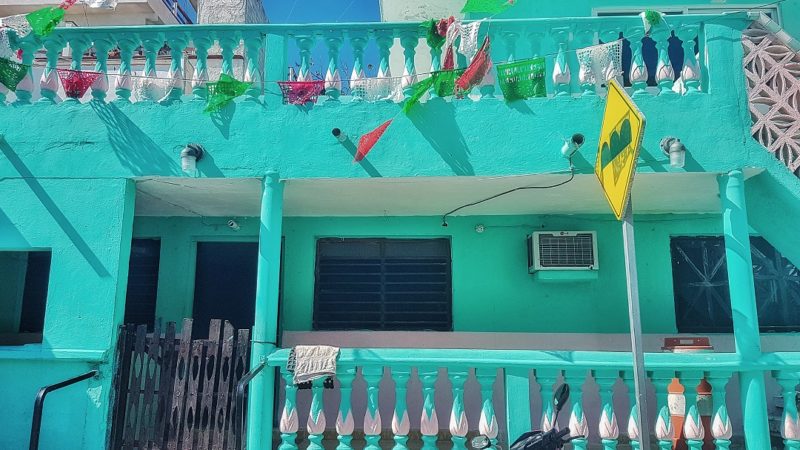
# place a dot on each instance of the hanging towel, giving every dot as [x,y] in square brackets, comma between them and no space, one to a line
[309,362]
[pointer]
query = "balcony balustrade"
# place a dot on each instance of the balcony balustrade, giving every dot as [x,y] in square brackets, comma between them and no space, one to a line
[181,55]
[469,392]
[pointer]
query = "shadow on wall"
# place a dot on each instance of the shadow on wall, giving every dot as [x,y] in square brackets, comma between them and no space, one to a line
[134,148]
[10,237]
[436,121]
[54,210]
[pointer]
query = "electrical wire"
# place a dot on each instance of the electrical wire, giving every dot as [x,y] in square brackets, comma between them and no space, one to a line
[521,188]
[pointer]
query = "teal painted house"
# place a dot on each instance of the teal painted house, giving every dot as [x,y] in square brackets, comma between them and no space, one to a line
[454,316]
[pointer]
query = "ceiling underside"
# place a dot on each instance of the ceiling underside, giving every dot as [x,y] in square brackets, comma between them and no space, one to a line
[682,193]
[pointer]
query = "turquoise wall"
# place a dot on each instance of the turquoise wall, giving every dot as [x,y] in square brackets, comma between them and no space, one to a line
[66,184]
[492,289]
[86,223]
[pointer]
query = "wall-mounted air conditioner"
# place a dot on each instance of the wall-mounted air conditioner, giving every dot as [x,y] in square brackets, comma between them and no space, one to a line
[562,250]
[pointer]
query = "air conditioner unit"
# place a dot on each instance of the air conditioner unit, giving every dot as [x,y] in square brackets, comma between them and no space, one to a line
[562,250]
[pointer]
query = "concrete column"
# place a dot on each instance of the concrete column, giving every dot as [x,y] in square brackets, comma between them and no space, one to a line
[743,306]
[265,327]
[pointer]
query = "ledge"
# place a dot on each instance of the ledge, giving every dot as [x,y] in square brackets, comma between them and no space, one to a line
[36,352]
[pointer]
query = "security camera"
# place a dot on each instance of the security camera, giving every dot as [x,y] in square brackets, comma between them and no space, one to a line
[572,145]
[233,225]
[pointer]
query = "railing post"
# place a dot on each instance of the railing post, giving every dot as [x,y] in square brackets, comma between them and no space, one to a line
[638,71]
[401,424]
[546,378]
[608,427]
[122,84]
[289,423]
[459,427]
[49,83]
[693,425]
[316,422]
[372,416]
[358,40]
[429,422]
[488,422]
[409,41]
[200,75]
[633,431]
[253,45]
[333,79]
[690,74]
[24,90]
[265,328]
[228,42]
[344,421]
[743,306]
[665,74]
[721,427]
[305,44]
[100,87]
[586,76]
[578,427]
[663,427]
[790,422]
[562,77]
[518,401]
[177,43]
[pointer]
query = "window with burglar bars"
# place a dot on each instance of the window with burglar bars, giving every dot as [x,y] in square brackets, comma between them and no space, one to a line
[702,296]
[383,284]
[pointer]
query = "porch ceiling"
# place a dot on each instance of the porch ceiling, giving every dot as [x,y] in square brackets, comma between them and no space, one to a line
[240,197]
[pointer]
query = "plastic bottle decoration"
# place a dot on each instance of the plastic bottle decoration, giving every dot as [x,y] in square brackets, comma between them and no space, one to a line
[12,72]
[418,89]
[468,46]
[17,23]
[601,62]
[434,39]
[652,20]
[44,21]
[477,69]
[487,6]
[369,140]
[223,91]
[522,79]
[76,82]
[301,92]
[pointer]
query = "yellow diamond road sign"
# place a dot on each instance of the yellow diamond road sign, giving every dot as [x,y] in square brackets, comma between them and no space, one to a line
[620,141]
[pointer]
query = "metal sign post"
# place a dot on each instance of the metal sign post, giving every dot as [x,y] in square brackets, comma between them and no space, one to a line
[620,142]
[639,376]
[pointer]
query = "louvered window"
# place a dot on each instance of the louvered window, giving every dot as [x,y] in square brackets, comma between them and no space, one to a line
[383,284]
[702,295]
[140,301]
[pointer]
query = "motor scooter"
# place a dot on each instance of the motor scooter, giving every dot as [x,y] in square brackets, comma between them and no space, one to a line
[537,440]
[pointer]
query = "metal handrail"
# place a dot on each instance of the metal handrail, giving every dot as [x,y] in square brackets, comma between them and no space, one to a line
[38,404]
[240,406]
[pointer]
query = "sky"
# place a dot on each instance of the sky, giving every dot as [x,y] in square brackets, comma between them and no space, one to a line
[327,11]
[322,11]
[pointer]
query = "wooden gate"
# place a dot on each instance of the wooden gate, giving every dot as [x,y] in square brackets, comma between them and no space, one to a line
[172,392]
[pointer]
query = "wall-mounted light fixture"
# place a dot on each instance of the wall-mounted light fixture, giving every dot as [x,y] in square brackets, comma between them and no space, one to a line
[572,145]
[674,148]
[339,135]
[189,157]
[234,225]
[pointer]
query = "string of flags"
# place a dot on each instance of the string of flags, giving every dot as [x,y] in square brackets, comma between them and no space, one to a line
[517,79]
[76,82]
[222,92]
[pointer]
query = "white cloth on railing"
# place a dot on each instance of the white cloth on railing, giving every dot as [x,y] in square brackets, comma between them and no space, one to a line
[310,362]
